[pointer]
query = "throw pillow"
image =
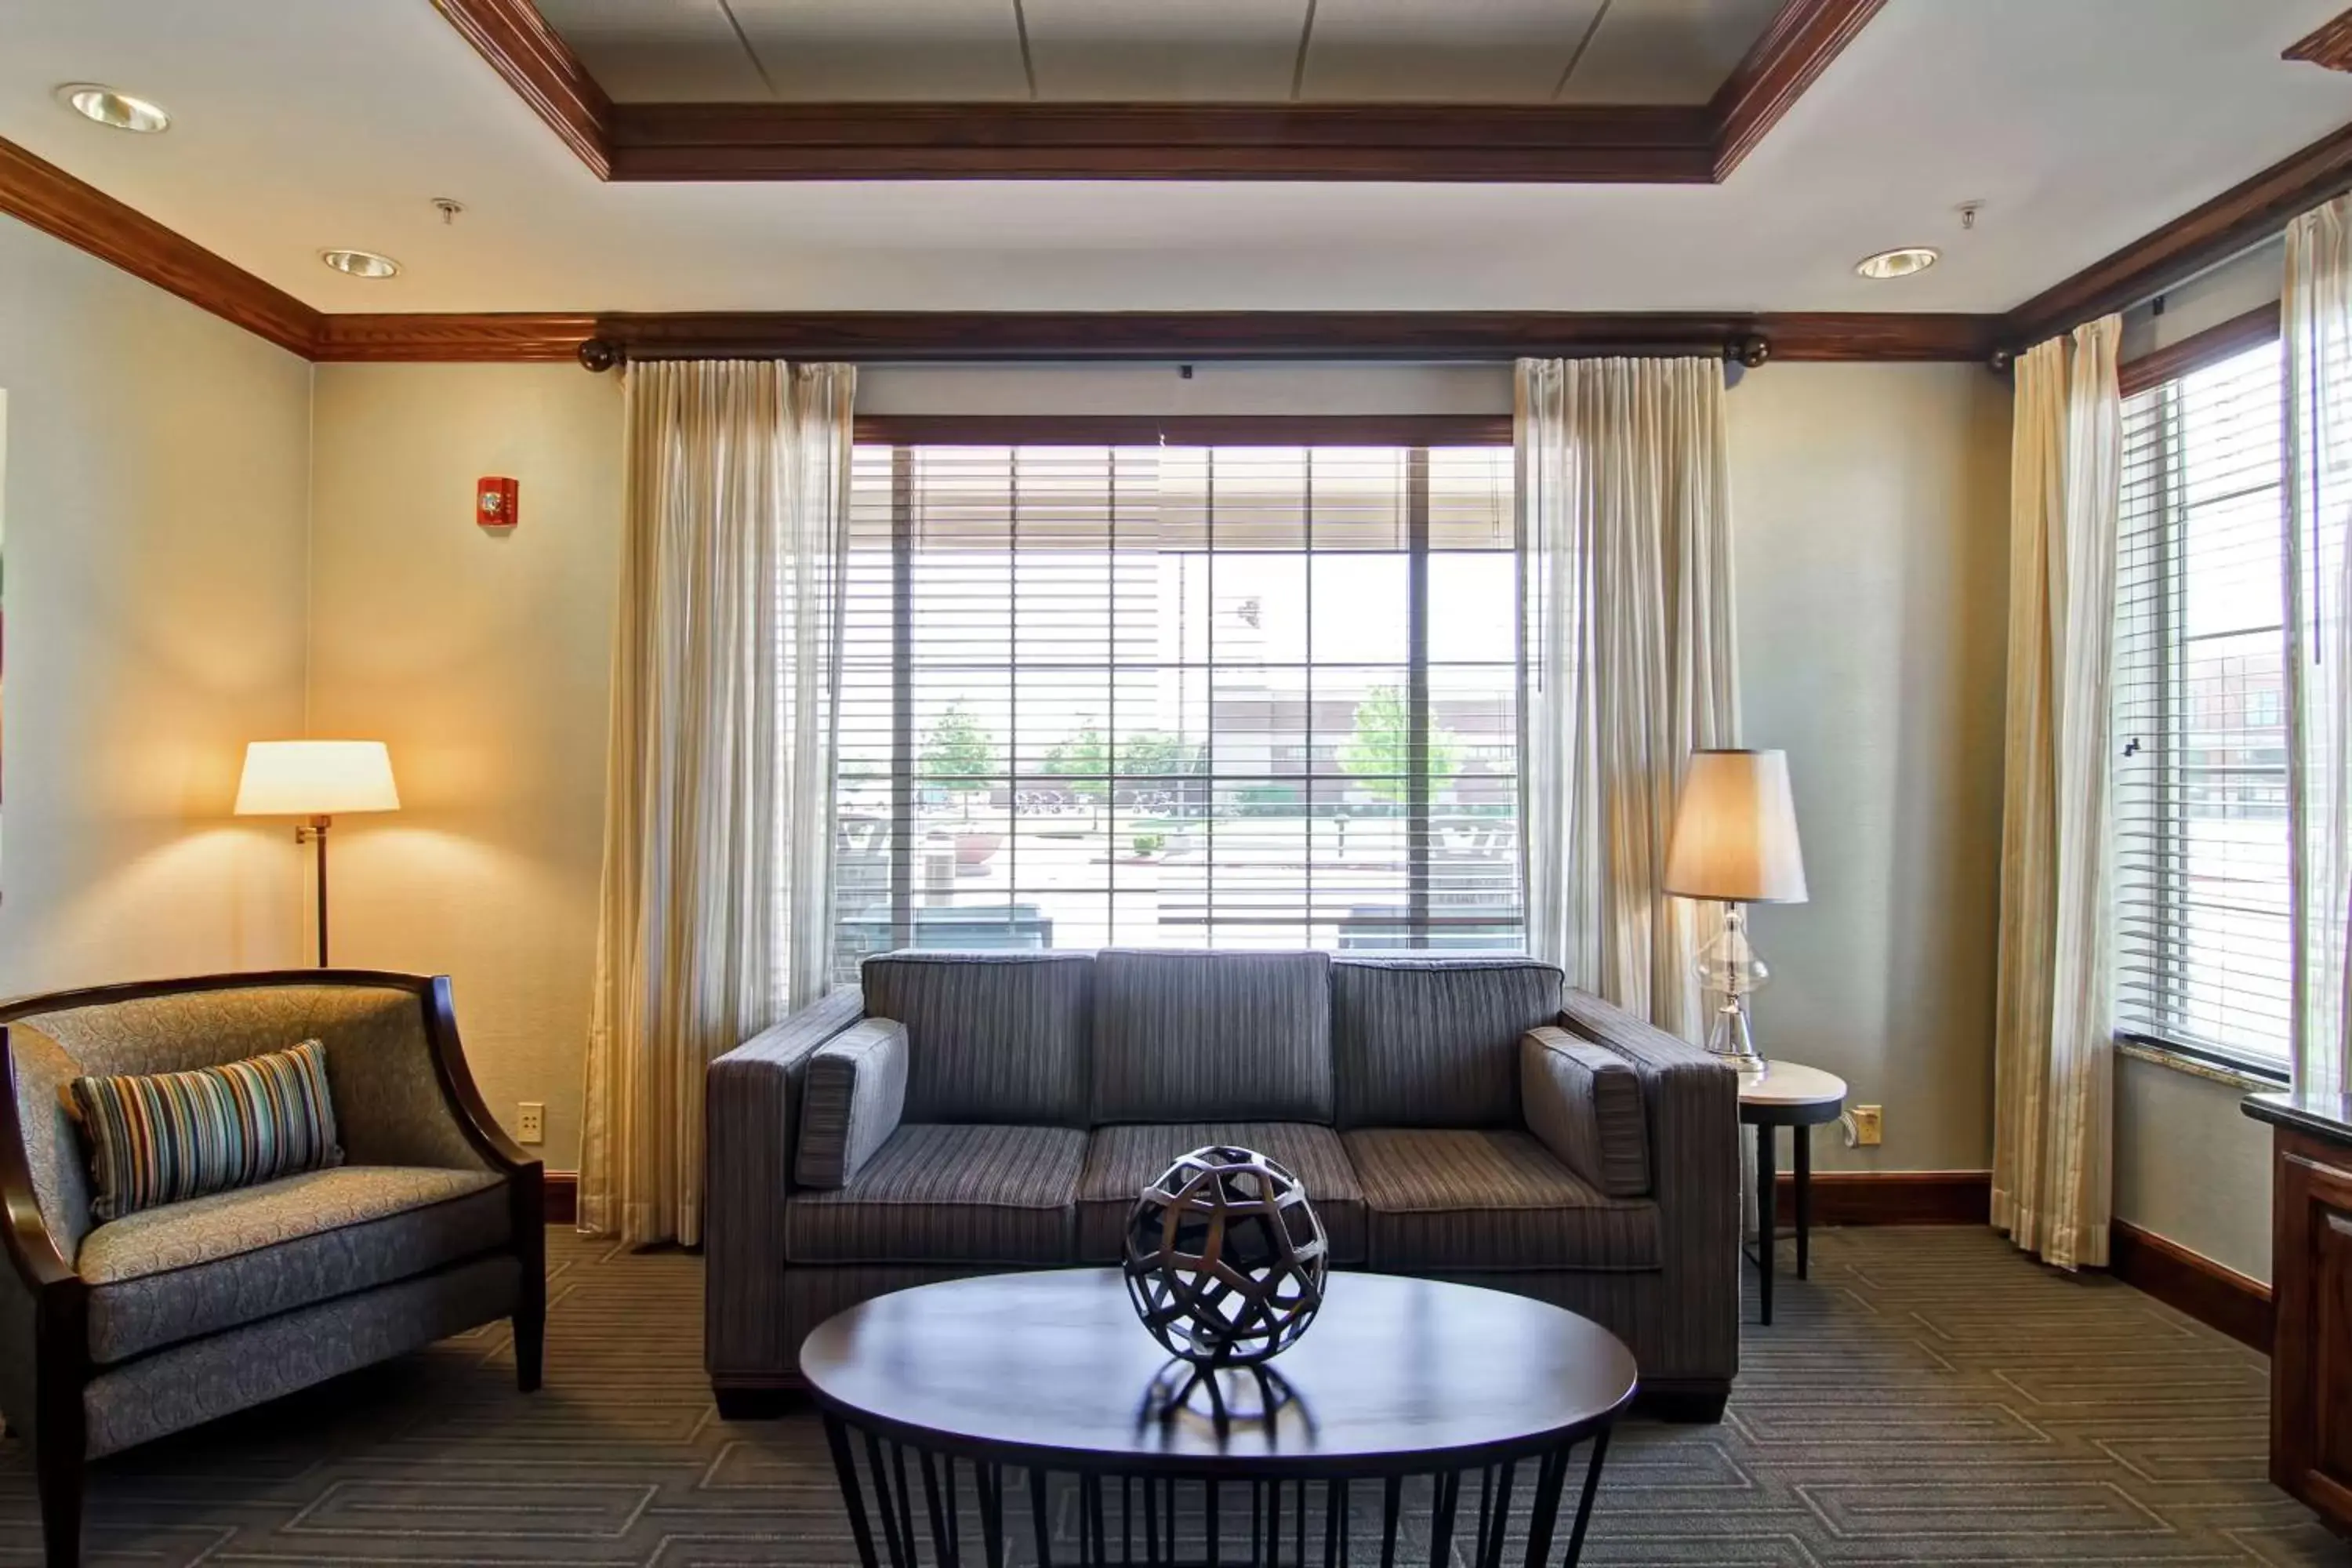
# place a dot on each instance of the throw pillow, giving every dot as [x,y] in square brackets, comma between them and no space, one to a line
[168,1137]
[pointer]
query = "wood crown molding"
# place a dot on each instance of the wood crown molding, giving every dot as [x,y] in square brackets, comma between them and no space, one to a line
[50,199]
[2330,45]
[2212,1293]
[2240,217]
[1644,143]
[516,338]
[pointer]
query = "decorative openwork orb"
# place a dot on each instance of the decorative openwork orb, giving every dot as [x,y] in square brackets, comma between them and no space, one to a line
[1225,1258]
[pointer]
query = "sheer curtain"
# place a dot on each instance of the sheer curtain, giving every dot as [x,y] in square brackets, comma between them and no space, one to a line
[715,915]
[2318,326]
[2054,1041]
[1625,536]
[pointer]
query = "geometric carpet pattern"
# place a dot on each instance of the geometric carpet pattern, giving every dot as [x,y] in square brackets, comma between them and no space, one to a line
[1928,1397]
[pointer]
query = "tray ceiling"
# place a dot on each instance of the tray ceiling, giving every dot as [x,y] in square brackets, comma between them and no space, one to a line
[1314,51]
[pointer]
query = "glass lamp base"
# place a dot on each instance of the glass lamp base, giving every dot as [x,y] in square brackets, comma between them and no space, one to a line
[1731,1039]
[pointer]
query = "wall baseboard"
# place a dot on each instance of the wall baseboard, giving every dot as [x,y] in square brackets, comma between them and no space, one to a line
[1892,1197]
[560,1190]
[2213,1293]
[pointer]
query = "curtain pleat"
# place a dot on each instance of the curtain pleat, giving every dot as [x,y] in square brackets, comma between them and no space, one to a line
[1630,660]
[716,912]
[2054,1045]
[2318,327]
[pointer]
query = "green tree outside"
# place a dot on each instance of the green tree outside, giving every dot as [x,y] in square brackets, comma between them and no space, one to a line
[958,754]
[1379,755]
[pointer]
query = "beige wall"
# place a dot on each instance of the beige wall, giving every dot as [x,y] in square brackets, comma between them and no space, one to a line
[481,657]
[1870,504]
[2191,1166]
[155,514]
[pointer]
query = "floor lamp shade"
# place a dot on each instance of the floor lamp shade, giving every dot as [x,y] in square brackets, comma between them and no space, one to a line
[318,781]
[316,778]
[1736,831]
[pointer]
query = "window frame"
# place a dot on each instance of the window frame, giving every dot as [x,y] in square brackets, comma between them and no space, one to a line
[2201,351]
[1415,434]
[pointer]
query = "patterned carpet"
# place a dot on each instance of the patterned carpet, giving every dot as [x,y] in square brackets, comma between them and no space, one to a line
[1928,1397]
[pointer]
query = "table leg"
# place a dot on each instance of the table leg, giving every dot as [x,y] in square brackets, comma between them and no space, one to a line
[853,1496]
[1591,1486]
[1767,1218]
[1803,1154]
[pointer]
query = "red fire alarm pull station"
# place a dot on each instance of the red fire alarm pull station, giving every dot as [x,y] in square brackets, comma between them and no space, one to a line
[497,503]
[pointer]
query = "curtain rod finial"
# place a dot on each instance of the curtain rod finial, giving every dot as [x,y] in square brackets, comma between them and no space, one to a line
[599,355]
[1752,351]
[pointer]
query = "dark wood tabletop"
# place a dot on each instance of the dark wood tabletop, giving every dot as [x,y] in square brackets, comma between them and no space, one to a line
[1053,1368]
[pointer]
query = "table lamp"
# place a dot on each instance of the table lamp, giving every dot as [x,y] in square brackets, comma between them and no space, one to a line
[318,780]
[1735,841]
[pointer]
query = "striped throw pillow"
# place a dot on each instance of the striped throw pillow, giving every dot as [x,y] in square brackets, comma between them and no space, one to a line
[179,1135]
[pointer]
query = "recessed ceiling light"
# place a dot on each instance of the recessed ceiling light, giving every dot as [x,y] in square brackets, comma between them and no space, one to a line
[1898,263]
[120,110]
[359,263]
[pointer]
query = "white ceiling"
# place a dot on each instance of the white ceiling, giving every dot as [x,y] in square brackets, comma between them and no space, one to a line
[2080,123]
[1624,51]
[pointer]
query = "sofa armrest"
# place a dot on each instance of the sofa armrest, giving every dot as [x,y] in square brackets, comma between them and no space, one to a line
[1693,1101]
[750,1101]
[851,1100]
[1585,1102]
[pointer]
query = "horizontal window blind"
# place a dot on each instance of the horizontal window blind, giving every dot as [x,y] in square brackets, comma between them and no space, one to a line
[2199,715]
[1229,697]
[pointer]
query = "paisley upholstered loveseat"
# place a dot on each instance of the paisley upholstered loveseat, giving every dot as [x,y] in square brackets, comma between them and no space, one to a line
[116,1333]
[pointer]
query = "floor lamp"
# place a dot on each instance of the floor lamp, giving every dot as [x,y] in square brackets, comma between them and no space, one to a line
[319,780]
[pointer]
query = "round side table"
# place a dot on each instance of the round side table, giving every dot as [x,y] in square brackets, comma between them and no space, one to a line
[1801,1098]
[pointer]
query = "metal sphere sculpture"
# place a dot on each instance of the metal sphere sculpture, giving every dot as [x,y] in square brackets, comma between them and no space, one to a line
[1225,1257]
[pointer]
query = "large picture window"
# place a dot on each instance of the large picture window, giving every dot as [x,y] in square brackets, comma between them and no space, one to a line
[1218,696]
[2201,814]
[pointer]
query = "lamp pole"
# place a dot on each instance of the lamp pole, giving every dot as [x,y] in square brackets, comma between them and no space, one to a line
[316,833]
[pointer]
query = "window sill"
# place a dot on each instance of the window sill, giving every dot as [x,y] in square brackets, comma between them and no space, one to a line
[2251,1079]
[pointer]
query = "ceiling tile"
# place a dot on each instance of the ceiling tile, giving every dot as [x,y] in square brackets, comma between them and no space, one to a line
[839,50]
[1666,51]
[1469,51]
[667,51]
[1164,49]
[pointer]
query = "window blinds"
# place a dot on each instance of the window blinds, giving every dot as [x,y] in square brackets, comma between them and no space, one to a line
[2199,714]
[1178,696]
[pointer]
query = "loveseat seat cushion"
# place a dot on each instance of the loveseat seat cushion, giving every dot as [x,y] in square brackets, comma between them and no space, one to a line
[995,1036]
[1122,1161]
[1435,1042]
[1442,1199]
[185,1270]
[1212,1036]
[938,1193]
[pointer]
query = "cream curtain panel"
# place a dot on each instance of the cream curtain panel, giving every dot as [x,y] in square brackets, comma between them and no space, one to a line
[2318,327]
[2054,1042]
[1625,536]
[716,914]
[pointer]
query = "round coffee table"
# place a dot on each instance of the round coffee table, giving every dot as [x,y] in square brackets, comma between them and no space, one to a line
[1397,1381]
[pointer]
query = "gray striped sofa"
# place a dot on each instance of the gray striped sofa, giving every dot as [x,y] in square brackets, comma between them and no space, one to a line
[1465,1119]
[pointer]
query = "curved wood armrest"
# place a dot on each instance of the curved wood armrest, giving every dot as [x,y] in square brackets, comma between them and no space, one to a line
[24,1235]
[457,1088]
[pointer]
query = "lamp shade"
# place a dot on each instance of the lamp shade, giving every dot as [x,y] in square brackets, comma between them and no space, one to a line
[315,778]
[1736,831]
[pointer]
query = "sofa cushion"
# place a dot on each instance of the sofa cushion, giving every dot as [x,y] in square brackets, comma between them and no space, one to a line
[946,1193]
[1584,1101]
[1123,1160]
[1440,1199]
[188,1270]
[1209,1037]
[1435,1042]
[997,1036]
[165,1138]
[852,1099]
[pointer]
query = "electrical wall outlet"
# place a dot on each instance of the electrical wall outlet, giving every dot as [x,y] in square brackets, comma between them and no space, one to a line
[530,1122]
[1868,1126]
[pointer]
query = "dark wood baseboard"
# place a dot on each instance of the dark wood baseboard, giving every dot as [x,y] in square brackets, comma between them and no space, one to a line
[2212,1293]
[561,1191]
[1892,1197]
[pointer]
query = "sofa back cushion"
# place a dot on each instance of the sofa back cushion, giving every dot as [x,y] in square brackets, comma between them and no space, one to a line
[1200,1036]
[991,1036]
[1435,1042]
